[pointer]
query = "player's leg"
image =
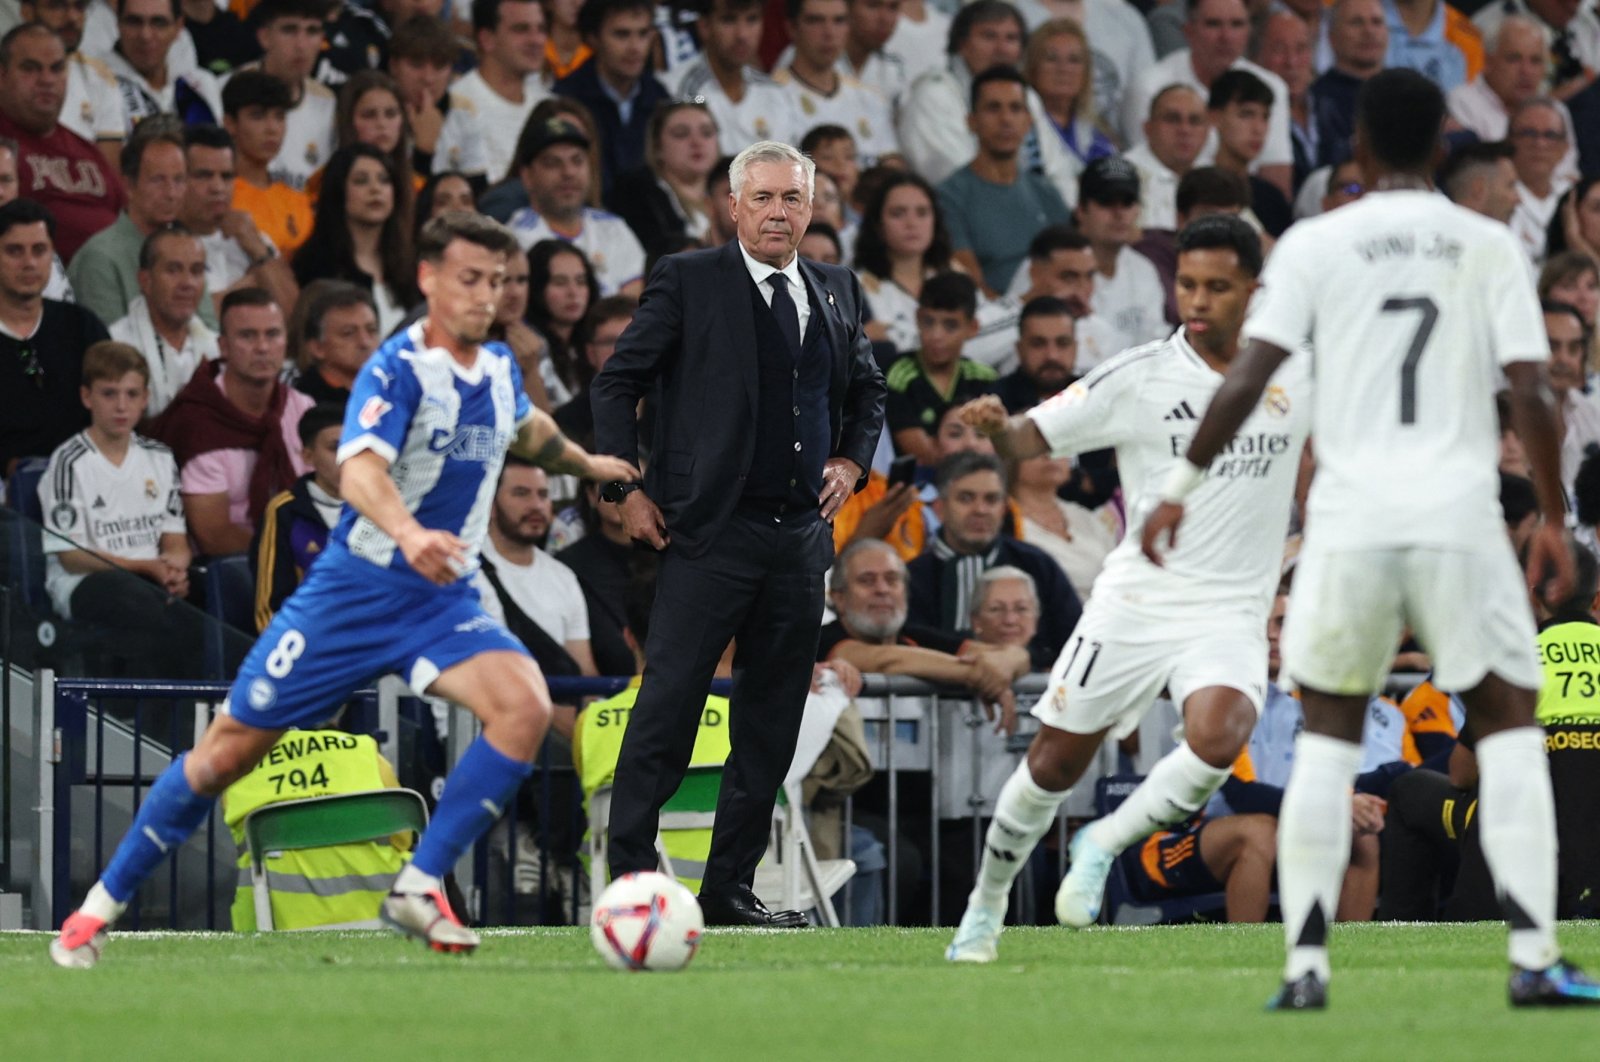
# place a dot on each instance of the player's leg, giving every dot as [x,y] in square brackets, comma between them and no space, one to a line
[1240,851]
[1023,812]
[1217,725]
[177,804]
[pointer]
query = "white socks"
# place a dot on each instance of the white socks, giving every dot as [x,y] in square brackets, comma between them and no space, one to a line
[410,879]
[1022,813]
[1314,847]
[1176,788]
[102,905]
[1517,826]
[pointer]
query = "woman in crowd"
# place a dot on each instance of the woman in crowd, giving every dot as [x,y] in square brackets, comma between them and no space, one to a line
[450,190]
[359,235]
[902,242]
[511,327]
[1576,224]
[370,112]
[1060,67]
[1574,278]
[666,199]
[561,288]
[1078,539]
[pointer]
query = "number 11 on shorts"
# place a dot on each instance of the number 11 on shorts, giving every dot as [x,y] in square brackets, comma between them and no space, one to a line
[1088,667]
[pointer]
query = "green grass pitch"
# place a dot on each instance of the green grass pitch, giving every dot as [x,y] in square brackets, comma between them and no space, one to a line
[1400,992]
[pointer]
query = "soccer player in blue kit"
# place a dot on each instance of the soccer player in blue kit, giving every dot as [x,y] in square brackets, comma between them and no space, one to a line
[430,418]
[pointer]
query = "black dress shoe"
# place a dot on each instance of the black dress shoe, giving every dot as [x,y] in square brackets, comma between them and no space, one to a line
[737,905]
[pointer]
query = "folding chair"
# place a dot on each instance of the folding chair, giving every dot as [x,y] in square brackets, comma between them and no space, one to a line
[319,822]
[1120,907]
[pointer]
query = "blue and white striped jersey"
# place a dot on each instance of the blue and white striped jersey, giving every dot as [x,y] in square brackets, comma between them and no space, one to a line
[444,430]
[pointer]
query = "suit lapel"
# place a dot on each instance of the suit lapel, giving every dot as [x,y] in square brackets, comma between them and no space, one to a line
[827,302]
[738,317]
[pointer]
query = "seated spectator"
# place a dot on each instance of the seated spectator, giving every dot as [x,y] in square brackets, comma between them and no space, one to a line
[502,201]
[747,104]
[540,597]
[561,288]
[58,288]
[115,543]
[446,133]
[1577,413]
[825,94]
[603,559]
[359,235]
[666,199]
[60,170]
[291,36]
[1239,110]
[616,84]
[142,63]
[1075,538]
[238,253]
[821,244]
[994,205]
[1540,138]
[1174,135]
[327,887]
[508,81]
[923,385]
[1047,350]
[1061,265]
[355,37]
[1203,190]
[1060,66]
[890,52]
[833,149]
[903,241]
[1482,178]
[1284,46]
[294,529]
[40,407]
[511,328]
[1359,37]
[1574,279]
[93,107]
[105,271]
[341,332]
[867,589]
[934,136]
[441,193]
[1127,290]
[1513,71]
[1576,226]
[553,164]
[902,514]
[235,428]
[603,325]
[1434,39]
[254,105]
[971,507]
[372,112]
[1005,608]
[163,322]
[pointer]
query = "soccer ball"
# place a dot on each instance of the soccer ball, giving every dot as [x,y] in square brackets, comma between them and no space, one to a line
[646,921]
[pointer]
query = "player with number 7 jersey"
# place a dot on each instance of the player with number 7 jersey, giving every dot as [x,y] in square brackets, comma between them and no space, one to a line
[1196,627]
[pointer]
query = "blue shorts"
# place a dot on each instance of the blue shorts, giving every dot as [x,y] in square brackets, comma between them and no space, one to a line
[349,623]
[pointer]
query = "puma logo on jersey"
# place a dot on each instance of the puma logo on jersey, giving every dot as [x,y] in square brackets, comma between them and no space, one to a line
[1181,411]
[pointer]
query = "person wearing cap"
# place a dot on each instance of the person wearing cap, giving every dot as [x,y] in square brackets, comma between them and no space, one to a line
[992,205]
[1127,292]
[552,161]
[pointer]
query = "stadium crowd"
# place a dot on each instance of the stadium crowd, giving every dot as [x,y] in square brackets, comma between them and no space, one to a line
[207,216]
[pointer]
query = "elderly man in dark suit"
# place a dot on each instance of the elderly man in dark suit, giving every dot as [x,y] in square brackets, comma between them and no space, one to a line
[769,406]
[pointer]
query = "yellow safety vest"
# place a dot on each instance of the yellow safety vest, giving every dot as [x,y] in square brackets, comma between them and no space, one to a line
[1570,655]
[310,887]
[598,741]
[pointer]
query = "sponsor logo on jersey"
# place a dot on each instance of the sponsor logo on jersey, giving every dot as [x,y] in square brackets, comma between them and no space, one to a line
[262,693]
[470,442]
[383,376]
[372,412]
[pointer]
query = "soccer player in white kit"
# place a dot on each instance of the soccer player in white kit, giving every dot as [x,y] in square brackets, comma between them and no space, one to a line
[1197,627]
[1411,307]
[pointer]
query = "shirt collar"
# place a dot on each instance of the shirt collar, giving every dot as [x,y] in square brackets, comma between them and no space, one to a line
[617,97]
[760,271]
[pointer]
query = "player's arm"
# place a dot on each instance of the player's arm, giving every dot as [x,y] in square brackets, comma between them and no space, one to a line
[1533,417]
[1015,438]
[540,440]
[437,556]
[1240,391]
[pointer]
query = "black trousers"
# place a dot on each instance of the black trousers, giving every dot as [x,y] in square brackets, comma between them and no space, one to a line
[760,584]
[156,636]
[1433,865]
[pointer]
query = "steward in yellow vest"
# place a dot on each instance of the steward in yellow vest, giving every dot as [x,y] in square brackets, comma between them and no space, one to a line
[328,887]
[1569,710]
[597,742]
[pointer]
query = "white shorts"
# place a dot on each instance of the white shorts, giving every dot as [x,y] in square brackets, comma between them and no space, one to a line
[1118,660]
[1468,606]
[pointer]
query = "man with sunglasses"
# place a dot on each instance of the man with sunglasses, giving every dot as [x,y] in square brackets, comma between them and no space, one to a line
[41,341]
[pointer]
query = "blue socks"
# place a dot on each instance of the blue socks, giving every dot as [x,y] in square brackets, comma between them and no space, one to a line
[477,792]
[169,815]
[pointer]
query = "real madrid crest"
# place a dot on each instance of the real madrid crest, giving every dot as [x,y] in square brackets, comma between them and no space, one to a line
[150,490]
[807,106]
[312,154]
[865,128]
[762,129]
[1275,401]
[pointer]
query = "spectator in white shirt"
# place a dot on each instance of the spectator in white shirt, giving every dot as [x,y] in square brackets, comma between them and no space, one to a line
[1513,70]
[93,107]
[291,36]
[142,63]
[509,80]
[1539,140]
[825,96]
[162,322]
[1174,136]
[1128,294]
[868,56]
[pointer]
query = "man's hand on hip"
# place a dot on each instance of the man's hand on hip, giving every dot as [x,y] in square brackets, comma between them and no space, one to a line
[839,478]
[641,518]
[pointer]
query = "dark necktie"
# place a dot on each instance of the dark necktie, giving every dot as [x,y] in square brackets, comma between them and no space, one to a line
[784,310]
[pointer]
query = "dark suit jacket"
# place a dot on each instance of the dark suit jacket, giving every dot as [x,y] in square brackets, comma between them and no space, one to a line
[695,337]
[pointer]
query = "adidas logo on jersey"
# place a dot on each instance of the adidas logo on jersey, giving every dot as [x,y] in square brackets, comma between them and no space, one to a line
[1181,411]
[99,502]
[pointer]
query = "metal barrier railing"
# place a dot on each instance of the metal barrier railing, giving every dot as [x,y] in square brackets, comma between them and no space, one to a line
[95,733]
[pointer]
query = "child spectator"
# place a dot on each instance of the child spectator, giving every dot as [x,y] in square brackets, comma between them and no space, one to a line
[115,542]
[294,530]
[922,385]
[254,106]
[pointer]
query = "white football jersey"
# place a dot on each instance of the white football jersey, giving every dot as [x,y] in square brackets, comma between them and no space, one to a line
[1411,305]
[611,247]
[117,510]
[93,106]
[1147,402]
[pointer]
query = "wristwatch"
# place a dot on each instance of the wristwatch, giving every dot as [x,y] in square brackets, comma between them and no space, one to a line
[616,490]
